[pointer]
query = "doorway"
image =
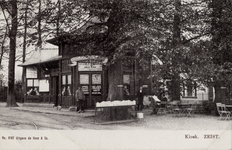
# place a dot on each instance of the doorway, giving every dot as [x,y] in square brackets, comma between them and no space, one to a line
[55,89]
[91,83]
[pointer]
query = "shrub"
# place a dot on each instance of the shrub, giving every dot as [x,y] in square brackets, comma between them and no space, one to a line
[210,108]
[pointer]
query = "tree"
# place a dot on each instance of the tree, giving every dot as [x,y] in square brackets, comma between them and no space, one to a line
[185,26]
[221,44]
[24,49]
[117,29]
[126,28]
[3,38]
[141,29]
[12,36]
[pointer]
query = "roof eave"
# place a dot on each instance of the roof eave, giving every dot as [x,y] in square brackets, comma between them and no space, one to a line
[53,41]
[41,62]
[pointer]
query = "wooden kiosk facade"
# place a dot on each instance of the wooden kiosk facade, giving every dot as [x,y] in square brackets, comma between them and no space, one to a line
[56,79]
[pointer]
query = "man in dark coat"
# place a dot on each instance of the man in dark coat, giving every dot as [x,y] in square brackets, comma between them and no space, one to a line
[140,95]
[80,97]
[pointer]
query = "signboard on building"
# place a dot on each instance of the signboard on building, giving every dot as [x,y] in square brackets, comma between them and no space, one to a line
[87,66]
[96,89]
[84,79]
[85,89]
[43,85]
[96,78]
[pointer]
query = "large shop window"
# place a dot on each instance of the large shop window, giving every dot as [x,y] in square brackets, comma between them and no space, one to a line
[189,88]
[66,85]
[32,87]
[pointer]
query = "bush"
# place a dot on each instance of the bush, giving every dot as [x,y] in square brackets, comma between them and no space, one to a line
[210,108]
[18,91]
[3,94]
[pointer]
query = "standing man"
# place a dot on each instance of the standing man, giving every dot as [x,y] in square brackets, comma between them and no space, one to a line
[80,97]
[140,95]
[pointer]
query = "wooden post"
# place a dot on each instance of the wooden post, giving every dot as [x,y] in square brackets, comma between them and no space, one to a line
[121,82]
[223,95]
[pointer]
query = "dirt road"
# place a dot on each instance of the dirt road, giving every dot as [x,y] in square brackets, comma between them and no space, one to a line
[12,119]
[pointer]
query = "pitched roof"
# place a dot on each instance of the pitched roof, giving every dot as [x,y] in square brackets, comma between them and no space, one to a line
[42,56]
[78,34]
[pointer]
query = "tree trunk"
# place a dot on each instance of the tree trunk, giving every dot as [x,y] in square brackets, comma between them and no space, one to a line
[2,47]
[176,87]
[115,93]
[58,19]
[176,43]
[24,55]
[39,42]
[11,74]
[216,15]
[115,79]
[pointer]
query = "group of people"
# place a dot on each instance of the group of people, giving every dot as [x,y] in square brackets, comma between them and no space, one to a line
[155,101]
[33,91]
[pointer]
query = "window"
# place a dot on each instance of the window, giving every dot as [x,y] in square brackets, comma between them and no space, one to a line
[126,85]
[96,78]
[96,84]
[229,92]
[32,87]
[126,79]
[84,78]
[66,85]
[189,88]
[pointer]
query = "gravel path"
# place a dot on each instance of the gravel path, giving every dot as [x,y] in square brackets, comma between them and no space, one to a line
[77,121]
[170,122]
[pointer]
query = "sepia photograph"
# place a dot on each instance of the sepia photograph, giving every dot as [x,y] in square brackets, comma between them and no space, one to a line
[115,74]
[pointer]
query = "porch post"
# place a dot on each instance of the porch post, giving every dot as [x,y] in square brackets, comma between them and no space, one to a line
[223,95]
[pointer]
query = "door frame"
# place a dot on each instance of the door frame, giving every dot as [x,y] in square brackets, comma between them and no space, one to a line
[90,84]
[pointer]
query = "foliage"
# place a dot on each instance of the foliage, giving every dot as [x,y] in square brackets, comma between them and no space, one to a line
[191,37]
[210,108]
[18,91]
[221,39]
[123,26]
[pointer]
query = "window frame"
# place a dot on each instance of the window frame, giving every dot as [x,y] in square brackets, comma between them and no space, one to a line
[185,90]
[32,86]
[65,84]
